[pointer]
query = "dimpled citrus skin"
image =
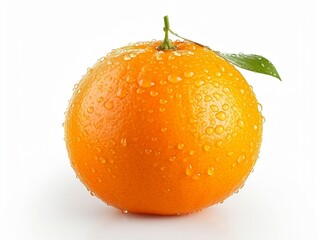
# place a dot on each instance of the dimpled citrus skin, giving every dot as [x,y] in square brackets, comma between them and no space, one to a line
[163,133]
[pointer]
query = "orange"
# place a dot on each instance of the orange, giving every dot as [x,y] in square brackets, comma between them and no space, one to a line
[163,132]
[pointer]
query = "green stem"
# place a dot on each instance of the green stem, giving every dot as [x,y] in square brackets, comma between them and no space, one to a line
[167,43]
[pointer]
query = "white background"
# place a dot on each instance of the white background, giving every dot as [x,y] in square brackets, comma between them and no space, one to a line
[46,46]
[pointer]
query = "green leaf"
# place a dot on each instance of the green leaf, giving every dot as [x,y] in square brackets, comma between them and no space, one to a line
[251,62]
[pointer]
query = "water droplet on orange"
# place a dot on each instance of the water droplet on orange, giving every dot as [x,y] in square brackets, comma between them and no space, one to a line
[219,143]
[112,142]
[207,98]
[192,120]
[159,55]
[221,115]
[140,90]
[230,153]
[145,83]
[178,96]
[240,123]
[85,133]
[202,110]
[133,55]
[170,146]
[210,171]
[216,96]
[172,159]
[260,107]
[162,82]
[241,158]
[100,99]
[75,86]
[207,148]
[102,160]
[191,152]
[174,79]
[162,109]
[108,105]
[198,97]
[180,146]
[188,74]
[148,151]
[90,110]
[189,170]
[214,108]
[130,79]
[209,130]
[164,129]
[225,107]
[123,142]
[127,57]
[219,129]
[196,176]
[199,83]
[153,93]
[169,90]
[163,101]
[154,139]
[226,90]
[121,93]
[109,89]
[263,119]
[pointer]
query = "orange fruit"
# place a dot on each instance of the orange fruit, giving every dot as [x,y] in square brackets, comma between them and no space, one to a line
[163,132]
